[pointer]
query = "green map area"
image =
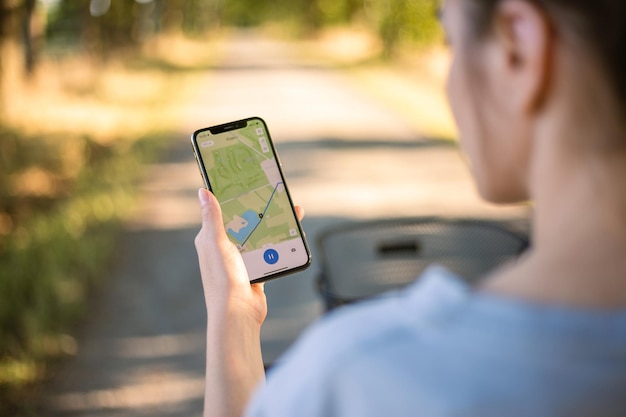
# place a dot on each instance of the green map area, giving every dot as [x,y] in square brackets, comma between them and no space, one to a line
[245,179]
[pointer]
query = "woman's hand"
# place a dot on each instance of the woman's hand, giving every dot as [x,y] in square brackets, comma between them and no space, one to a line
[236,310]
[224,276]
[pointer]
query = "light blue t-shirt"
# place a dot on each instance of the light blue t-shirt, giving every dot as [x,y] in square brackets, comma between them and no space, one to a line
[439,348]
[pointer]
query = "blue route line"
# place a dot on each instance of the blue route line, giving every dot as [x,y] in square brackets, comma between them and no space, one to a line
[262,214]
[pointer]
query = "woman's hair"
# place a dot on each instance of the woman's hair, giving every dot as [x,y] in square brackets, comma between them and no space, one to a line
[598,25]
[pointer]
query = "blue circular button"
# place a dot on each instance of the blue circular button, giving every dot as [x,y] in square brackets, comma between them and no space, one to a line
[270,256]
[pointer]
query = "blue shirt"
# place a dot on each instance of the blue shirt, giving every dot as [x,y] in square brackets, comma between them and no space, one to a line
[439,348]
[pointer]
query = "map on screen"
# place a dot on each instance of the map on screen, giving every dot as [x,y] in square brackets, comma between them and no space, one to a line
[245,178]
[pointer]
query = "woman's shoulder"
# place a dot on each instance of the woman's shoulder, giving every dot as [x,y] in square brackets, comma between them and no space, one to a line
[368,342]
[390,317]
[439,344]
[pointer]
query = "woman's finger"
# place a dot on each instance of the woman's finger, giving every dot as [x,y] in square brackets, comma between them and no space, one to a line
[299,212]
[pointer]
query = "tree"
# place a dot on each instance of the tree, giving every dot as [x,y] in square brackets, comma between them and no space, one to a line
[16,22]
[27,12]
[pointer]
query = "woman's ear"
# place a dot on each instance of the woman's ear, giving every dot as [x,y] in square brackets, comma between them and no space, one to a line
[524,43]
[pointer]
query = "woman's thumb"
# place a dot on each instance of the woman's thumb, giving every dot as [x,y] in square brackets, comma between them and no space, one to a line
[211,215]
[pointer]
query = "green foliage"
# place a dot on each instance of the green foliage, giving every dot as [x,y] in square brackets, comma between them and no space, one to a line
[128,22]
[405,21]
[55,241]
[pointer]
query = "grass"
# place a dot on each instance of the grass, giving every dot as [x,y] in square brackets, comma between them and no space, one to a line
[61,234]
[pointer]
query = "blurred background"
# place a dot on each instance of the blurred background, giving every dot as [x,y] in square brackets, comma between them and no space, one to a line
[100,302]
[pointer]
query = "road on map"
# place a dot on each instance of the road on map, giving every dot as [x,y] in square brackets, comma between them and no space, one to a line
[345,157]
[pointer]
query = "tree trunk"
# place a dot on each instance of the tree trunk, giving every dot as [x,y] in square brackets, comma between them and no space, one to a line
[27,36]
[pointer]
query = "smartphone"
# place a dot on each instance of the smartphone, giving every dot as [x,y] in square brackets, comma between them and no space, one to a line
[240,166]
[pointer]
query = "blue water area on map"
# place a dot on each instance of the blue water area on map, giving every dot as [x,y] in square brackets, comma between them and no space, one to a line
[252,217]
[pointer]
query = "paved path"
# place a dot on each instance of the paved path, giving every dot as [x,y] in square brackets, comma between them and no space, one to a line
[345,157]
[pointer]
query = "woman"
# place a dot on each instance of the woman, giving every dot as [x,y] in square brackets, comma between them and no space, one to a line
[538,90]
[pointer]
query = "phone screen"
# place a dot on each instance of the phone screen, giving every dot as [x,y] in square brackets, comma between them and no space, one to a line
[239,165]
